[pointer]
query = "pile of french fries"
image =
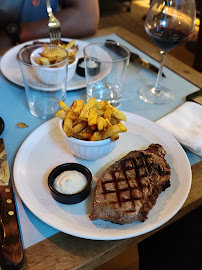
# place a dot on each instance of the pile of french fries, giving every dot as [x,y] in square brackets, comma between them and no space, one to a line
[49,57]
[72,50]
[93,121]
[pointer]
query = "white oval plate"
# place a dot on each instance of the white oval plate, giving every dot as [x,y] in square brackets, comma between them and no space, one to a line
[10,66]
[44,149]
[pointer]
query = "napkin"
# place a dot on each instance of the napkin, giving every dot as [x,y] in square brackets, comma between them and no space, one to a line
[185,124]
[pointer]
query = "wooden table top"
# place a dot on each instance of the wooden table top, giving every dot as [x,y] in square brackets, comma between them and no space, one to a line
[62,251]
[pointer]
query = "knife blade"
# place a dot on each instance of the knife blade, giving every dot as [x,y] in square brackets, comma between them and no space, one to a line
[11,248]
[136,59]
[195,97]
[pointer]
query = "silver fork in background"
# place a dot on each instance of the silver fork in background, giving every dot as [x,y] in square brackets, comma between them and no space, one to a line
[54,26]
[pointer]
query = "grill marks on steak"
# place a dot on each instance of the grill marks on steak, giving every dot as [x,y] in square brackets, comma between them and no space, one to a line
[128,189]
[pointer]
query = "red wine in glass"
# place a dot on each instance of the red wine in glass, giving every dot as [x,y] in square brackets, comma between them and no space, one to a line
[168,23]
[167,38]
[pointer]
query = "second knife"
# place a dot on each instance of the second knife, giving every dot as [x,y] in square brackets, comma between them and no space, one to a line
[135,58]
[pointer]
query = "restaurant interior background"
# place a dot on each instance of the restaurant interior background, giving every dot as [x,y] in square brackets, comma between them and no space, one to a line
[115,13]
[130,15]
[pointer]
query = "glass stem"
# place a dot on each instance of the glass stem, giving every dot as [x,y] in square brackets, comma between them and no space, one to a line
[156,87]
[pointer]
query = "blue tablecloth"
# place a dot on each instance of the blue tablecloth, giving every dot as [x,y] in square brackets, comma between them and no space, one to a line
[14,109]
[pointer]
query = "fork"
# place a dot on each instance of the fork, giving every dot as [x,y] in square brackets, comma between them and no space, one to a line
[54,26]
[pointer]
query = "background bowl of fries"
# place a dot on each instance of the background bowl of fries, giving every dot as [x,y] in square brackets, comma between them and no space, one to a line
[91,130]
[89,150]
[50,57]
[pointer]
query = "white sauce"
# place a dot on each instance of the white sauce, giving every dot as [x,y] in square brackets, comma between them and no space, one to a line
[92,63]
[82,64]
[70,182]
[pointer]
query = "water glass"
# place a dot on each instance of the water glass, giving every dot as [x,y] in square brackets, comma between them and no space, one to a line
[45,85]
[105,69]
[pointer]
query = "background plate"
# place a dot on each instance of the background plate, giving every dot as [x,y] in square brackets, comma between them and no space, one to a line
[44,149]
[10,66]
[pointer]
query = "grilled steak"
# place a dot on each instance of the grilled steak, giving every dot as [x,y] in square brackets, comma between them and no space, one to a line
[129,188]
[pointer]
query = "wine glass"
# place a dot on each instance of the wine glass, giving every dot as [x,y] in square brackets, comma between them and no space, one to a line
[168,23]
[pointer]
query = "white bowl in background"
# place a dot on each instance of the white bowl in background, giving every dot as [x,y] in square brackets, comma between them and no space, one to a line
[72,69]
[51,75]
[89,150]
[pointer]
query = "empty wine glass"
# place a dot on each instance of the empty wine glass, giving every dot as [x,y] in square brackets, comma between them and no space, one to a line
[168,23]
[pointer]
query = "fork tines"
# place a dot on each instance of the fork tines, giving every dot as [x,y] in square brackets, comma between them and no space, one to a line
[55,35]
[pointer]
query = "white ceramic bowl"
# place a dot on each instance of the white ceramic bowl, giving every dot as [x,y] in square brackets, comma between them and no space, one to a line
[52,75]
[72,69]
[89,150]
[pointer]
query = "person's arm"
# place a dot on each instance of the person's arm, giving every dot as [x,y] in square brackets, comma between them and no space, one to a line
[78,18]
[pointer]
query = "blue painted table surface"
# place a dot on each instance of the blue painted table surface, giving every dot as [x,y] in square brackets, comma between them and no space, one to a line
[14,109]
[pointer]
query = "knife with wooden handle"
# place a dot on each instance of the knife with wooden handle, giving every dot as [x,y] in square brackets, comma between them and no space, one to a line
[11,250]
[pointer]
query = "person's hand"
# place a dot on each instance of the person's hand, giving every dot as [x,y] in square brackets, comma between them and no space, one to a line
[35,2]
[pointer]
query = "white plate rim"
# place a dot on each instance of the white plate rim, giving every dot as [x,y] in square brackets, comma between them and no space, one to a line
[76,83]
[100,234]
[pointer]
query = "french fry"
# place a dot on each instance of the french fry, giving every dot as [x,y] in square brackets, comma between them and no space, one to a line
[61,114]
[118,114]
[101,123]
[96,136]
[70,44]
[86,135]
[69,133]
[92,117]
[100,112]
[108,113]
[78,136]
[67,126]
[108,105]
[71,113]
[88,129]
[63,105]
[110,131]
[100,105]
[76,122]
[86,108]
[114,121]
[43,61]
[93,127]
[76,129]
[108,124]
[78,106]
[114,137]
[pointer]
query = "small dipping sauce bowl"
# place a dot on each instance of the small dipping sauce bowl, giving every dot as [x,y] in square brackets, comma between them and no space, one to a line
[70,198]
[93,67]
[80,69]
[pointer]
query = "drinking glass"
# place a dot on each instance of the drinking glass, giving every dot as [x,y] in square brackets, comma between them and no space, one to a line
[168,23]
[105,69]
[45,85]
